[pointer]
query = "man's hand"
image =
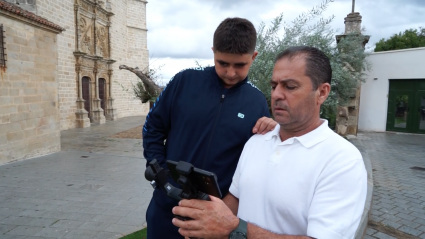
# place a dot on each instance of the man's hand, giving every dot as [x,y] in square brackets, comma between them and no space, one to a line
[211,219]
[264,125]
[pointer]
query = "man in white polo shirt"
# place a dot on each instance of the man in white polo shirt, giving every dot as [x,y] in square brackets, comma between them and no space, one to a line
[300,180]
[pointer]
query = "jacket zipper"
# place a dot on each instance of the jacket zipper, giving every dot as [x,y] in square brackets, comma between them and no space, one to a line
[212,133]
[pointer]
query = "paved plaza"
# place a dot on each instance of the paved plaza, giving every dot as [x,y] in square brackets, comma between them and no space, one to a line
[95,187]
[398,206]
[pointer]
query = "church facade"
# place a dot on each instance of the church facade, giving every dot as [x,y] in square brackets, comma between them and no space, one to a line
[75,48]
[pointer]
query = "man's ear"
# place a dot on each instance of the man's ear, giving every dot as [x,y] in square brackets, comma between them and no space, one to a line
[323,92]
[212,48]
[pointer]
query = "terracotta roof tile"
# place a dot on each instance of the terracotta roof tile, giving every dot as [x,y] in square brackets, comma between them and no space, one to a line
[10,7]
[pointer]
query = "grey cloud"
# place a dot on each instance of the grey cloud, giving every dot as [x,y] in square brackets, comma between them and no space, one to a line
[382,18]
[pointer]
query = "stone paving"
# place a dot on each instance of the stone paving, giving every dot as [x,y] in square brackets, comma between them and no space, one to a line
[93,188]
[399,191]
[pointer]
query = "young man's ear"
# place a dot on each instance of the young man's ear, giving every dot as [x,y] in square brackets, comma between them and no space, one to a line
[212,48]
[254,55]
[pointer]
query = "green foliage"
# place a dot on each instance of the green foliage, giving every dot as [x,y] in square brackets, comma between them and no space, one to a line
[347,58]
[410,38]
[137,88]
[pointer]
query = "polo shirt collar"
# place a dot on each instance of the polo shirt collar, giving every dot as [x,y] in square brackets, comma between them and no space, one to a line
[307,140]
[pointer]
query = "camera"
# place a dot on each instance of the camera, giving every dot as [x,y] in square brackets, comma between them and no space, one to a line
[195,183]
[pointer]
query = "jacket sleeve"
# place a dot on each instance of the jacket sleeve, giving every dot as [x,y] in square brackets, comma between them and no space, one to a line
[266,109]
[158,123]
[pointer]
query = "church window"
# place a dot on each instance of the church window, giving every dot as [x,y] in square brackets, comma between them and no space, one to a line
[2,54]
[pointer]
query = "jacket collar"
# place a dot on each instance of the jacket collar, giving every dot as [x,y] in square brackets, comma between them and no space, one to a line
[220,81]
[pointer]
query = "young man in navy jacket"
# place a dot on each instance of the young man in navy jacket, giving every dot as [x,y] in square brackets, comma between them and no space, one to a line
[206,115]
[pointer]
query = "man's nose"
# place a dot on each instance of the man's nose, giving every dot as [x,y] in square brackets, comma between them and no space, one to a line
[277,94]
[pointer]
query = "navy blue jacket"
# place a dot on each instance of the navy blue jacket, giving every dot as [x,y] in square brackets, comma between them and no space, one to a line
[203,124]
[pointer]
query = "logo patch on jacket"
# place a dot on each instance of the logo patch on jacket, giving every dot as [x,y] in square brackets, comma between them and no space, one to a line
[240,115]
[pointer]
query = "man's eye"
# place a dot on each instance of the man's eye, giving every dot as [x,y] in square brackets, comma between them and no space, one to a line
[291,87]
[223,64]
[273,87]
[239,66]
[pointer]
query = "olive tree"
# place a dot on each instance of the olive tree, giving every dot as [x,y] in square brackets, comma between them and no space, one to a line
[310,29]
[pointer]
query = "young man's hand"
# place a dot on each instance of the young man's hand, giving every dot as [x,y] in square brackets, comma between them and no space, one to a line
[264,125]
[211,219]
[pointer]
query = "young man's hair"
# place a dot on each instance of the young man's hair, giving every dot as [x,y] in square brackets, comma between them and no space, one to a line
[317,67]
[235,36]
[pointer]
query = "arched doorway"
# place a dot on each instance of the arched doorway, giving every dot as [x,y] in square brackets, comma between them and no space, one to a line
[86,94]
[102,94]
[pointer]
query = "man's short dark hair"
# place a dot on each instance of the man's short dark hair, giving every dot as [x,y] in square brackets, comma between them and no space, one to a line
[235,36]
[318,67]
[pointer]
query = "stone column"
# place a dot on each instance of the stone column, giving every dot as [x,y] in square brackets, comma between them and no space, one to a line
[82,116]
[110,110]
[348,115]
[97,112]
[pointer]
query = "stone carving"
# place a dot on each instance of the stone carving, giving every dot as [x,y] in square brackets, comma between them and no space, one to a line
[102,41]
[85,32]
[85,62]
[103,75]
[102,66]
[86,6]
[102,15]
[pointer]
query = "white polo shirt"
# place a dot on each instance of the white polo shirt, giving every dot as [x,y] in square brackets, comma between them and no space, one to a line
[314,185]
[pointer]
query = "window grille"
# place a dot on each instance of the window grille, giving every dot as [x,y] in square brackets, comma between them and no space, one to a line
[2,55]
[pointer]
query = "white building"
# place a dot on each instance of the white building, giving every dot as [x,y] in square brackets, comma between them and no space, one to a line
[393,96]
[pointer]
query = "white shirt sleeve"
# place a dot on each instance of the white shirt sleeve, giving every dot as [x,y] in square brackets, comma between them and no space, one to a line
[335,211]
[234,187]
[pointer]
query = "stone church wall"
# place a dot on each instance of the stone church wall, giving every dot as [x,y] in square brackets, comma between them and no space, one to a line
[29,117]
[128,46]
[62,13]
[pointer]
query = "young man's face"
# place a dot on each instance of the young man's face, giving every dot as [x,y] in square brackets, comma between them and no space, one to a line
[232,68]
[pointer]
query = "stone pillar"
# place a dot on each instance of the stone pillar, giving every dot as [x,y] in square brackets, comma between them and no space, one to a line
[110,110]
[348,115]
[97,112]
[82,116]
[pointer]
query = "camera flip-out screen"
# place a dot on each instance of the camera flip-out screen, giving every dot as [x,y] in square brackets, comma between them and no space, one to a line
[205,181]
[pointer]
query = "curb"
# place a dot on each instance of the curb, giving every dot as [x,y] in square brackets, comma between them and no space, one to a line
[361,230]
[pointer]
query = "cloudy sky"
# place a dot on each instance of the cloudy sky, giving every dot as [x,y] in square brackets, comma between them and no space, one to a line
[181,32]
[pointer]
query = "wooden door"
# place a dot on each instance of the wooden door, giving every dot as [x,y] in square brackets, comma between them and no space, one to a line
[102,94]
[86,93]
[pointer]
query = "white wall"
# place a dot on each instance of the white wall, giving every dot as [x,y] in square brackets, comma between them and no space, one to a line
[400,64]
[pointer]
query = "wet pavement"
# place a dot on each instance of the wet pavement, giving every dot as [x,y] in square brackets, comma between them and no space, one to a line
[95,187]
[398,165]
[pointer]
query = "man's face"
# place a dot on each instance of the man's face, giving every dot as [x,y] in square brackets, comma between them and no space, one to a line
[295,105]
[232,68]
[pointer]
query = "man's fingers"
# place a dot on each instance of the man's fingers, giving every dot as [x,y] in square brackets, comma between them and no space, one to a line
[192,203]
[188,225]
[184,211]
[263,127]
[214,199]
[271,125]
[258,124]
[267,126]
